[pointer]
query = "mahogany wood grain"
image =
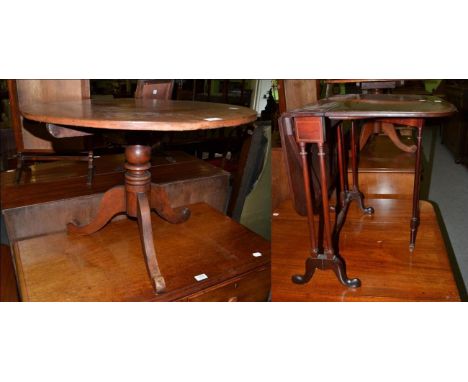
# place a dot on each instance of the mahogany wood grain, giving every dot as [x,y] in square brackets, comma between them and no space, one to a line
[376,251]
[139,114]
[108,265]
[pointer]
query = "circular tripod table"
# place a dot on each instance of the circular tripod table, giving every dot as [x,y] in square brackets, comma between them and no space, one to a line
[138,196]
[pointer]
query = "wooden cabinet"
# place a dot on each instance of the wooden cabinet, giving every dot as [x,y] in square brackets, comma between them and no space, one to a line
[209,257]
[253,286]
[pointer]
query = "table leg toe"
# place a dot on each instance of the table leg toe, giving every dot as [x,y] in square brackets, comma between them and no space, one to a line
[160,202]
[338,267]
[309,272]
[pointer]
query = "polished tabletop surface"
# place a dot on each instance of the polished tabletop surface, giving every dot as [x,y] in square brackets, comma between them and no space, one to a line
[355,106]
[139,114]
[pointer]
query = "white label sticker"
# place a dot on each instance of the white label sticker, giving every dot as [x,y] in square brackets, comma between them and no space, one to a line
[200,277]
[213,119]
[256,254]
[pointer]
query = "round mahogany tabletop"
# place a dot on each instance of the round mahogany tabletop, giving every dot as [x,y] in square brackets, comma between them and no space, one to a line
[139,114]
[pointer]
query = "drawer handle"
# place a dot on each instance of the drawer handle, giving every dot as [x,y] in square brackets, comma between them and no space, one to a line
[233,299]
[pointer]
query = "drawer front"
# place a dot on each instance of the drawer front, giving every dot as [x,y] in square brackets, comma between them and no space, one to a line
[254,286]
[309,129]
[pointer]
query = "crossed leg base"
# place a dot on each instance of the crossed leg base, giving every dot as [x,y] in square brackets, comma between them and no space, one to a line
[114,202]
[322,262]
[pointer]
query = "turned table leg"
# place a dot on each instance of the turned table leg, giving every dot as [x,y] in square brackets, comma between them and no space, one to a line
[416,188]
[146,236]
[329,259]
[334,261]
[356,194]
[310,268]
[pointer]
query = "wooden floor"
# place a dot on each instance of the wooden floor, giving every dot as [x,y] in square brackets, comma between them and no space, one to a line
[375,249]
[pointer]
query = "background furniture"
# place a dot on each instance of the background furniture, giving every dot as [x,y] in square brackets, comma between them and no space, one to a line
[235,92]
[33,141]
[375,127]
[154,89]
[138,196]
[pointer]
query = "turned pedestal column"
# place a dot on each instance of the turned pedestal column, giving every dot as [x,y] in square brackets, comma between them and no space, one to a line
[136,198]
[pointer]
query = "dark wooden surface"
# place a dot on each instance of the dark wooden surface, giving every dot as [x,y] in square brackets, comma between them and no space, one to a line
[376,250]
[8,288]
[139,114]
[108,265]
[361,106]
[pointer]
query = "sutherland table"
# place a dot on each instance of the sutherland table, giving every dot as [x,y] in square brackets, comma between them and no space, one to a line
[138,196]
[309,125]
